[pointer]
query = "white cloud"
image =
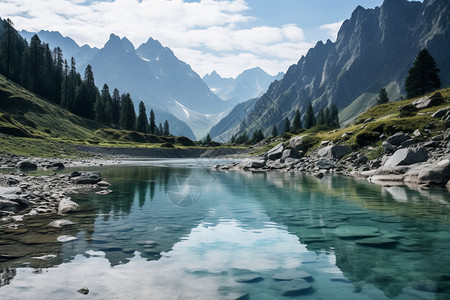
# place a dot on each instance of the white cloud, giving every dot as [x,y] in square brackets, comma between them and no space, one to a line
[210,29]
[332,29]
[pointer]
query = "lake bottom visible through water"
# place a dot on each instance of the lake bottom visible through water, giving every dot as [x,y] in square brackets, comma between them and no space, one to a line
[173,230]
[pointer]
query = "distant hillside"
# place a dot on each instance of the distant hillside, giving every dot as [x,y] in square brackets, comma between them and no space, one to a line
[47,129]
[229,125]
[374,49]
[154,75]
[69,47]
[249,84]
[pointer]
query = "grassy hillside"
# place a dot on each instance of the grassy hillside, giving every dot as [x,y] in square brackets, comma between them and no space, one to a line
[387,119]
[30,125]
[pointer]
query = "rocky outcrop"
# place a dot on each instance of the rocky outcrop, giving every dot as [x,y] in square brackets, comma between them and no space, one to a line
[276,152]
[86,177]
[334,151]
[26,165]
[426,102]
[407,157]
[420,163]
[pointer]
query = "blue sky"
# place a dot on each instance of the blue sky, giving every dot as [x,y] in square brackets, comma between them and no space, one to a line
[228,36]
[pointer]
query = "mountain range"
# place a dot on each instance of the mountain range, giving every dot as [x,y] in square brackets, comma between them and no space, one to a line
[249,84]
[374,49]
[152,74]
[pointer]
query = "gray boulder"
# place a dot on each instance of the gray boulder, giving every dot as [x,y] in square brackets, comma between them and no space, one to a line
[67,206]
[55,165]
[26,165]
[406,157]
[325,163]
[425,102]
[388,148]
[276,152]
[88,178]
[253,163]
[290,153]
[336,151]
[8,205]
[298,143]
[398,138]
[441,112]
[438,173]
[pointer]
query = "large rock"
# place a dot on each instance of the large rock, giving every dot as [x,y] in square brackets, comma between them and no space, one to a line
[298,143]
[336,151]
[26,165]
[398,138]
[8,205]
[407,157]
[425,102]
[276,152]
[438,173]
[441,112]
[325,163]
[67,206]
[290,153]
[252,163]
[88,178]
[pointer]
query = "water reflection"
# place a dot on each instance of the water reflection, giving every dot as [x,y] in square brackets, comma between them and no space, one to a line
[356,239]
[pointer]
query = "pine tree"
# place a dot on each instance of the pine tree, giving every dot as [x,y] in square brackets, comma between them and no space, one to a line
[321,118]
[127,113]
[166,131]
[36,58]
[116,107]
[58,74]
[142,123]
[334,117]
[423,76]
[160,130]
[297,122]
[274,130]
[107,102]
[310,120]
[7,47]
[382,97]
[287,125]
[152,124]
[258,136]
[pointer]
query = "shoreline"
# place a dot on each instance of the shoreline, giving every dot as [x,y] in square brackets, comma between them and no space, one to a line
[419,165]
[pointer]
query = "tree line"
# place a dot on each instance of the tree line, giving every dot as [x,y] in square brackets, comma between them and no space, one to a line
[46,73]
[327,118]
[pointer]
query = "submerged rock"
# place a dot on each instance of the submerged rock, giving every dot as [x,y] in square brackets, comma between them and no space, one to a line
[379,242]
[292,275]
[61,223]
[293,287]
[354,231]
[250,278]
[66,238]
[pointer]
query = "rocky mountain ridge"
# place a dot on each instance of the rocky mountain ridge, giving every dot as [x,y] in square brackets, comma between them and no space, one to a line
[374,49]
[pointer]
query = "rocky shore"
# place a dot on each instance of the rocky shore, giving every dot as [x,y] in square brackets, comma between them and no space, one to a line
[23,195]
[406,160]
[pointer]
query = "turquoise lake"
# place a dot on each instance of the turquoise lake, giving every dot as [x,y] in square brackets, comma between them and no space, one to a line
[177,229]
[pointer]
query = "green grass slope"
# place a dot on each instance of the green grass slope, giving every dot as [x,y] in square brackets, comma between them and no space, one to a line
[387,119]
[31,125]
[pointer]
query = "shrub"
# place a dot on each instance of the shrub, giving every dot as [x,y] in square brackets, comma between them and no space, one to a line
[367,138]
